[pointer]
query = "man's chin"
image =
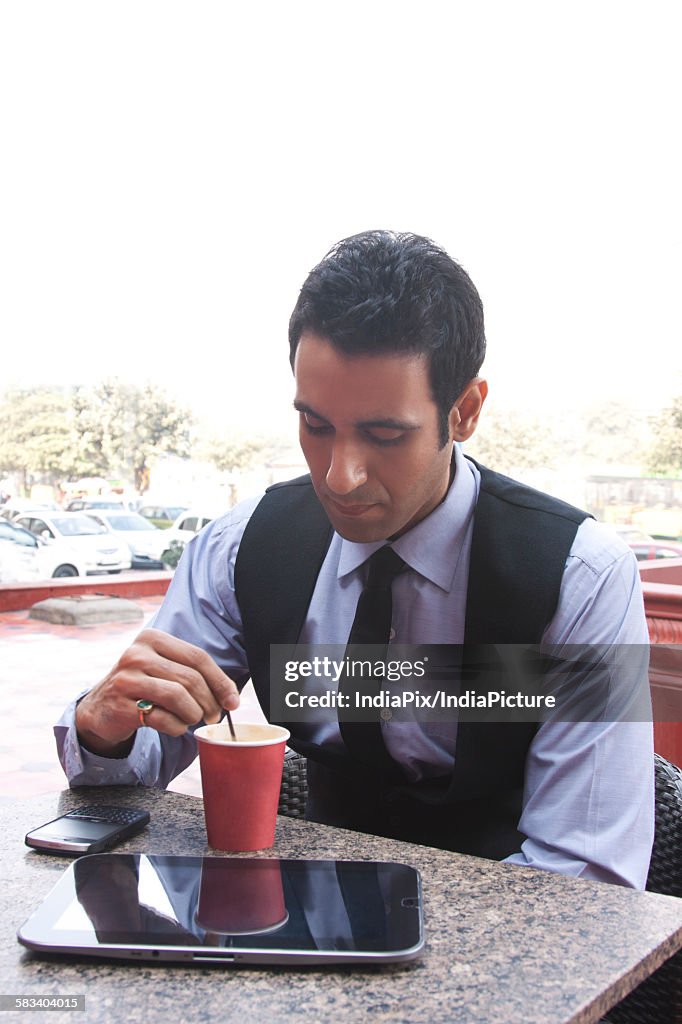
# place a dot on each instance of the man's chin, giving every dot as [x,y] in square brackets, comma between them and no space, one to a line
[361,529]
[359,534]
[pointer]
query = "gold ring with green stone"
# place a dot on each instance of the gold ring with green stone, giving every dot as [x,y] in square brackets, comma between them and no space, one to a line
[143,709]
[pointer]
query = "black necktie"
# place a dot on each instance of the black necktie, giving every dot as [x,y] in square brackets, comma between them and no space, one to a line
[361,727]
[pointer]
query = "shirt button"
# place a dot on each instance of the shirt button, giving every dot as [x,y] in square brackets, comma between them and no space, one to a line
[391,635]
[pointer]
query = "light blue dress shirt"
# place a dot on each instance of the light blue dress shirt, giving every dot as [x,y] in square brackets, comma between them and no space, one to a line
[588,807]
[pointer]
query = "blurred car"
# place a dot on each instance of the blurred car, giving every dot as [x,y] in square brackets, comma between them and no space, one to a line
[186,526]
[19,507]
[188,523]
[146,541]
[632,534]
[656,549]
[19,554]
[162,516]
[80,504]
[82,544]
[26,557]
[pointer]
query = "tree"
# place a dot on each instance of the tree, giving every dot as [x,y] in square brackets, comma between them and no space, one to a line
[110,429]
[38,436]
[239,452]
[95,414]
[123,427]
[511,441]
[616,434]
[665,455]
[608,434]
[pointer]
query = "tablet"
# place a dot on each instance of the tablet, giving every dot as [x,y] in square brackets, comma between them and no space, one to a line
[231,910]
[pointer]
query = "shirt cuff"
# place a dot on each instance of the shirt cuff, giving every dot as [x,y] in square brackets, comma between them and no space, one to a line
[83,768]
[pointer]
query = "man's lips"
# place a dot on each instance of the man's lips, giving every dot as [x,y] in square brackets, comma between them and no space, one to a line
[350,510]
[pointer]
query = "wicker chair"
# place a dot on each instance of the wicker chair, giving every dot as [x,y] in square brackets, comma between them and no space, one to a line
[658,1000]
[294,791]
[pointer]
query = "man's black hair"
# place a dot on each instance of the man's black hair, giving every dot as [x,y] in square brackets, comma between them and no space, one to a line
[383,292]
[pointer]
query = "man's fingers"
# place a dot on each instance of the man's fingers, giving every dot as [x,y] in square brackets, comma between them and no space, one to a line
[163,721]
[179,655]
[171,697]
[170,681]
[182,682]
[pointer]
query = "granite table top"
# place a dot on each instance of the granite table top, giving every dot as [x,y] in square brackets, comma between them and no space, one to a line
[503,943]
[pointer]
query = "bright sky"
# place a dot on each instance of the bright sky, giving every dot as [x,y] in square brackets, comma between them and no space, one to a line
[171,171]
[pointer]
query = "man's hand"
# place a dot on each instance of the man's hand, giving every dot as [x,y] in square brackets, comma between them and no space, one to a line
[183,683]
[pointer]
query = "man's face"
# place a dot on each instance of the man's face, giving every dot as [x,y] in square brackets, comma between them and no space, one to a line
[369,433]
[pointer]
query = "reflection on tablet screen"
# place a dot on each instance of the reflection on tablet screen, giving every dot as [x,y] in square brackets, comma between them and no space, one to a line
[267,904]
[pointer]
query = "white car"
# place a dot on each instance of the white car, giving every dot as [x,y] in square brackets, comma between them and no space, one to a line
[25,557]
[190,522]
[82,545]
[19,554]
[186,526]
[146,541]
[11,510]
[632,534]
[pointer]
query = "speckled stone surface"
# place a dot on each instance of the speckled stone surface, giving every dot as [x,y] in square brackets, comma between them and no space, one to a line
[504,944]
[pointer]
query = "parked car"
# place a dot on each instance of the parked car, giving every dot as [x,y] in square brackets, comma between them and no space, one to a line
[186,526]
[80,504]
[656,549]
[20,507]
[188,523]
[19,556]
[162,516]
[146,541]
[83,545]
[26,557]
[632,534]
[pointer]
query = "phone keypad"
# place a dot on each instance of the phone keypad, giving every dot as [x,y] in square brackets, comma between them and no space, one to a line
[116,815]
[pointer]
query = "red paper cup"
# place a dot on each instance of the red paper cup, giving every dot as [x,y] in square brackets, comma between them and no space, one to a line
[241,897]
[241,780]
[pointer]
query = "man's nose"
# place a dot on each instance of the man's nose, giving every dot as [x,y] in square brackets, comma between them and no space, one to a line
[347,470]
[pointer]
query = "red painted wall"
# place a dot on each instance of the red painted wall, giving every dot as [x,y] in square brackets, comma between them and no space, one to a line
[17,596]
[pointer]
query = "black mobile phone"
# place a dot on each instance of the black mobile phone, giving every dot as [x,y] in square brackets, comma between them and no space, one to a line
[87,829]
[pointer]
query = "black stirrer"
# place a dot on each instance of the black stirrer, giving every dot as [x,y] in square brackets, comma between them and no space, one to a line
[233,734]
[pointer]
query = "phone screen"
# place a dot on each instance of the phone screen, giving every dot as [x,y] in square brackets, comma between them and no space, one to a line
[73,830]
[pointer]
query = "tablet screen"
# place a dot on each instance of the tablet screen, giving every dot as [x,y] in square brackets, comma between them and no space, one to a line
[248,909]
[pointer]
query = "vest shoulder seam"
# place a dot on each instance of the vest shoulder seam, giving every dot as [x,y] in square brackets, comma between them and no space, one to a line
[568,512]
[300,481]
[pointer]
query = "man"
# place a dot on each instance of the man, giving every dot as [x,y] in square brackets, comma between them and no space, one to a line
[387,341]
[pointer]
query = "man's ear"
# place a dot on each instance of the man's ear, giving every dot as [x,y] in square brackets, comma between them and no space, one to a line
[466,410]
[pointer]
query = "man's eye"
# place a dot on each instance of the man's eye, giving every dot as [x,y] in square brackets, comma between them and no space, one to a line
[315,425]
[385,435]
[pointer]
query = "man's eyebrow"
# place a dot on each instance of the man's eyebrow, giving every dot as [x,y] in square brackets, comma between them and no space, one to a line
[302,407]
[389,423]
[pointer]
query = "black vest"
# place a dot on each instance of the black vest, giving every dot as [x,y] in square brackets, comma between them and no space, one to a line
[520,543]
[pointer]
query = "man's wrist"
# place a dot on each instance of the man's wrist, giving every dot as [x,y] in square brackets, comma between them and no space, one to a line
[95,744]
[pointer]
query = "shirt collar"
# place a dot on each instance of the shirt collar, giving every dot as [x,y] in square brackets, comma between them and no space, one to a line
[432,547]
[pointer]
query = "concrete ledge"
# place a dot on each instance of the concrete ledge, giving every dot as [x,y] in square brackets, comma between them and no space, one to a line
[661,570]
[18,596]
[86,610]
[662,601]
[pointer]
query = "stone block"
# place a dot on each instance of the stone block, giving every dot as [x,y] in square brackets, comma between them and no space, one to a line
[86,610]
